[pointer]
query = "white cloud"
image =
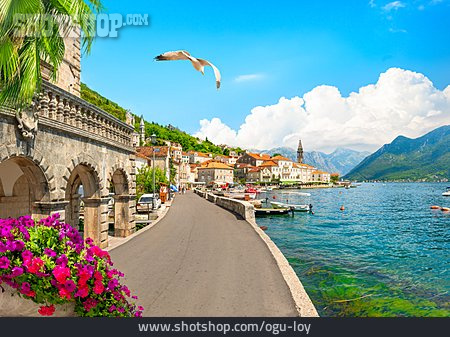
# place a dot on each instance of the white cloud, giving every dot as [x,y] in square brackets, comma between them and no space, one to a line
[372,3]
[249,77]
[397,30]
[393,5]
[402,102]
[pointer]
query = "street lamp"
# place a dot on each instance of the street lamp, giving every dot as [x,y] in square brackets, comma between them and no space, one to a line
[153,138]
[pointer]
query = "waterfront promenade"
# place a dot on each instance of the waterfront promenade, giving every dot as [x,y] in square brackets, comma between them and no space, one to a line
[202,260]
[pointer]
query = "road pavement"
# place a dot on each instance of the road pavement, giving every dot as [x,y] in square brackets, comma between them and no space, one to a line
[204,261]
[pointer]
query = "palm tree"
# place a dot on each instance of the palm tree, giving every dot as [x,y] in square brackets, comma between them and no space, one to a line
[25,41]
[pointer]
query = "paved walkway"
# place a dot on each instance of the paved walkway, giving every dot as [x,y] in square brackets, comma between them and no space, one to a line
[201,260]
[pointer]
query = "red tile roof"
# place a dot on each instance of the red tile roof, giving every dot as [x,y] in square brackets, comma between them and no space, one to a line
[268,163]
[215,165]
[281,158]
[148,151]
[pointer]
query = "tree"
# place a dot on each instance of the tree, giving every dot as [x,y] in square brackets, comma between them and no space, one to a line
[173,171]
[276,154]
[334,178]
[30,32]
[144,180]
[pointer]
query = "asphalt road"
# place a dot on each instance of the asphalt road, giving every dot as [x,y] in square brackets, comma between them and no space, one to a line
[201,260]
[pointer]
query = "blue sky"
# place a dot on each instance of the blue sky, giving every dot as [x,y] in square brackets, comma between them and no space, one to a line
[286,48]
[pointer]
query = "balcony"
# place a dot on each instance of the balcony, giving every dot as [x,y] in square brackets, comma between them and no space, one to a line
[61,110]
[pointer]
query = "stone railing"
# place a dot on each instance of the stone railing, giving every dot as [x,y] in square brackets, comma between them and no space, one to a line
[59,109]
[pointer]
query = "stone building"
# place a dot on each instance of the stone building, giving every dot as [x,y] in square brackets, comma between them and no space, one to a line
[62,153]
[253,159]
[215,172]
[162,157]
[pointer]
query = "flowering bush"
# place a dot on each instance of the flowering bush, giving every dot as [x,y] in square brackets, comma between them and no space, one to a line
[48,262]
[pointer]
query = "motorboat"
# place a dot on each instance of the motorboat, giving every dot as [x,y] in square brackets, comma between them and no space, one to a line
[272,211]
[304,194]
[239,195]
[447,192]
[251,190]
[294,207]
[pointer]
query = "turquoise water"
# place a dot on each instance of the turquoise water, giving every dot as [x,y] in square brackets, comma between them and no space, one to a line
[386,254]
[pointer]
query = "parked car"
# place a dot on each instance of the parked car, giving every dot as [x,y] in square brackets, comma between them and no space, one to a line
[145,203]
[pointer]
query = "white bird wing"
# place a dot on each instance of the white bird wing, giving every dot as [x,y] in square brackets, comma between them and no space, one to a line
[216,70]
[174,55]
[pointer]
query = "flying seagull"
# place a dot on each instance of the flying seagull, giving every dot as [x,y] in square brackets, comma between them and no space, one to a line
[198,64]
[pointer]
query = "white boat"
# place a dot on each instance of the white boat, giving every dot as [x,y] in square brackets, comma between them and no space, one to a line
[446,193]
[239,195]
[296,208]
[296,193]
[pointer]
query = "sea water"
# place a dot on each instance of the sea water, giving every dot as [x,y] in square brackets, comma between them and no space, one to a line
[386,254]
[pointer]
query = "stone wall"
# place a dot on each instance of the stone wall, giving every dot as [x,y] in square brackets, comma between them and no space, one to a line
[242,208]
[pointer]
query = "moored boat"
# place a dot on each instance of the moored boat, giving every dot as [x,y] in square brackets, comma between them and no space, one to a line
[446,193]
[294,207]
[271,211]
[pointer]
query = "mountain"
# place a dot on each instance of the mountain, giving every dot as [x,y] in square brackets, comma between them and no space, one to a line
[424,158]
[340,161]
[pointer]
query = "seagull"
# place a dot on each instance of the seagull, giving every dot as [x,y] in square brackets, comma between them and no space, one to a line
[198,64]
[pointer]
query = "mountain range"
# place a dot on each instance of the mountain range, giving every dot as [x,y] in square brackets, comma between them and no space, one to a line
[424,158]
[340,161]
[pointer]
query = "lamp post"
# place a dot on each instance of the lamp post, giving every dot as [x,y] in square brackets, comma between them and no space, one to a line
[153,137]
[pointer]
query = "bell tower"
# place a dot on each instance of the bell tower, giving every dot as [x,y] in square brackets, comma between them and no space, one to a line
[300,152]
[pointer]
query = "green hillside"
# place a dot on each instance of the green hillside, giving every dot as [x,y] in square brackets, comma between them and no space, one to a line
[424,158]
[172,134]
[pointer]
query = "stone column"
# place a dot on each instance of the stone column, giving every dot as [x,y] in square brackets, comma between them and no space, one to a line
[122,216]
[92,219]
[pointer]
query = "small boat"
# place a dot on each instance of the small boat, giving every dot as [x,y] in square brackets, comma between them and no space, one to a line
[239,195]
[271,211]
[305,194]
[295,208]
[251,190]
[446,193]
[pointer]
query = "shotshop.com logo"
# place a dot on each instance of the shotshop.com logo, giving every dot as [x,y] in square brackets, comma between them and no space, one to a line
[95,25]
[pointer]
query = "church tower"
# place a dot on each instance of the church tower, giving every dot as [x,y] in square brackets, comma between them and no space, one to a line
[300,152]
[142,129]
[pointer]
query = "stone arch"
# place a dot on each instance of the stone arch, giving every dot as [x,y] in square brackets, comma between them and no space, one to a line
[87,162]
[24,183]
[120,181]
[82,172]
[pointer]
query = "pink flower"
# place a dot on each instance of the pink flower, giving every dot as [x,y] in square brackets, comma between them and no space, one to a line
[82,292]
[98,288]
[61,274]
[64,293]
[16,271]
[4,262]
[27,255]
[89,304]
[98,276]
[47,310]
[36,265]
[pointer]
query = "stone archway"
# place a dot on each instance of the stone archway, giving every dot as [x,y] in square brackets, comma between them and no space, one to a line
[121,207]
[86,176]
[23,186]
